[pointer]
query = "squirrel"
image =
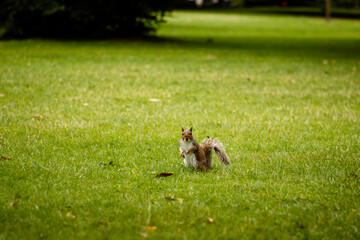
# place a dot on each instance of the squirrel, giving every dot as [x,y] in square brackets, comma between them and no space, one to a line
[197,156]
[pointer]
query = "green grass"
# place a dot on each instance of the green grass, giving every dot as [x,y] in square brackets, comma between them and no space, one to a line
[281,93]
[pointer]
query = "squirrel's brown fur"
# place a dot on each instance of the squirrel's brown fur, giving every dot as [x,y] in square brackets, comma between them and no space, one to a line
[200,156]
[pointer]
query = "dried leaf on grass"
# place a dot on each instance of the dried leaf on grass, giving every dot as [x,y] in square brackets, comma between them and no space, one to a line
[39,117]
[5,158]
[210,220]
[154,100]
[165,174]
[143,234]
[70,215]
[151,228]
[169,198]
[109,164]
[353,175]
[15,203]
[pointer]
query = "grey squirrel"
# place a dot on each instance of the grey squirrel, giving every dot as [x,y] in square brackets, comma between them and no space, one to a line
[197,156]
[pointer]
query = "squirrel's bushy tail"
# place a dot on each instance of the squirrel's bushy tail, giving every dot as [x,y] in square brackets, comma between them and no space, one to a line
[213,143]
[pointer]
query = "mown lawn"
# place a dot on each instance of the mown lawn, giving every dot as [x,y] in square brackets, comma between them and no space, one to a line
[81,143]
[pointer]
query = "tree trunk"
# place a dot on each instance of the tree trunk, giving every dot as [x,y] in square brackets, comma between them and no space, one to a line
[327,9]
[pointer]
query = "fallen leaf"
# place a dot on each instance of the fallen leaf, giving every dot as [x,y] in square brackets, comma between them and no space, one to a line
[13,204]
[70,215]
[209,40]
[109,164]
[2,95]
[154,100]
[180,200]
[151,228]
[169,198]
[165,174]
[143,234]
[211,57]
[210,220]
[86,104]
[39,117]
[325,61]
[5,158]
[354,175]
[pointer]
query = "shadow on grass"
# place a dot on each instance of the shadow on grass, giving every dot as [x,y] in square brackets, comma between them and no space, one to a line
[258,45]
[317,47]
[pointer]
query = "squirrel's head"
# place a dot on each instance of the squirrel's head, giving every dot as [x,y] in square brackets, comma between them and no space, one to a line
[187,134]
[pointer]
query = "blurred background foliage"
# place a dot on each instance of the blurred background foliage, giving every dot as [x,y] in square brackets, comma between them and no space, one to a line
[80,18]
[300,3]
[99,19]
[271,3]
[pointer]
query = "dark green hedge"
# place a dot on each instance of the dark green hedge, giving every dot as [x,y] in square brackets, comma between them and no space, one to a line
[80,18]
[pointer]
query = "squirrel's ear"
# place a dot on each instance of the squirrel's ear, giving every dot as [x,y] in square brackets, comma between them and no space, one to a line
[182,129]
[191,129]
